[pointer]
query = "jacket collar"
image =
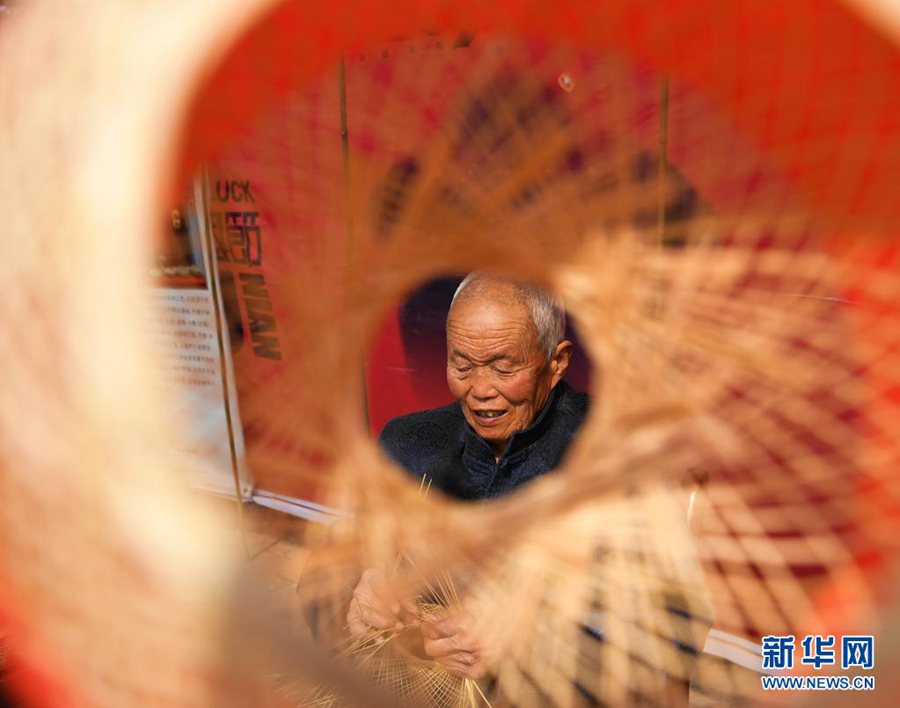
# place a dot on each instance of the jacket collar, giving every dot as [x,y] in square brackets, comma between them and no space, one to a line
[478,447]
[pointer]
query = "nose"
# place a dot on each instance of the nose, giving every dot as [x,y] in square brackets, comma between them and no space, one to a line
[483,388]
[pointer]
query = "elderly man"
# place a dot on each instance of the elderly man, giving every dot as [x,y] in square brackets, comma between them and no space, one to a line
[514,416]
[513,420]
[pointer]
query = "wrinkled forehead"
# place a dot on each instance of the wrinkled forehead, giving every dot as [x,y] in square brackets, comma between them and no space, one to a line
[491,322]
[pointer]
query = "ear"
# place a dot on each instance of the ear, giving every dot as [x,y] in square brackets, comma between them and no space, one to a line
[559,362]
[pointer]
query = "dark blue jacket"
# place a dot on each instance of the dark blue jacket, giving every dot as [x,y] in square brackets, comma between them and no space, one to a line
[441,445]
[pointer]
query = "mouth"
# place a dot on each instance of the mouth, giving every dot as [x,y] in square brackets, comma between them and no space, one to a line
[488,418]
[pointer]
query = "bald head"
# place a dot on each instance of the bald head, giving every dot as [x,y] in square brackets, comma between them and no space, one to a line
[545,311]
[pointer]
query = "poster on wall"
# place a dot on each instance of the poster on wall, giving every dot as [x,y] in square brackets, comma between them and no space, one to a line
[197,374]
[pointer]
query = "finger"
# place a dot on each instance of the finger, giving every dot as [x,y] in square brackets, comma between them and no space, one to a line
[362,632]
[457,670]
[373,591]
[475,670]
[410,606]
[464,666]
[381,591]
[447,646]
[356,626]
[429,631]
[444,623]
[378,614]
[408,619]
[372,613]
[376,618]
[354,619]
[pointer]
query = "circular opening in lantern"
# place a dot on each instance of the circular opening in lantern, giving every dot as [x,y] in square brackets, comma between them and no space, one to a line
[476,384]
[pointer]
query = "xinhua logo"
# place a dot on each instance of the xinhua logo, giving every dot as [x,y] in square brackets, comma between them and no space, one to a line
[818,683]
[818,651]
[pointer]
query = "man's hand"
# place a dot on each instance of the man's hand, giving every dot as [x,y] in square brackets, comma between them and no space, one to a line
[374,608]
[451,639]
